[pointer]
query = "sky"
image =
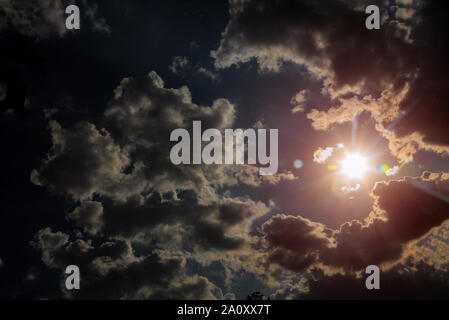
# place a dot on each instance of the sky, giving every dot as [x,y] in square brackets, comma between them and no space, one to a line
[86,177]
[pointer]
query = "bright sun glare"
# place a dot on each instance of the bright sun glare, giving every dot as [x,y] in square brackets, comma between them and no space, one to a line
[354,165]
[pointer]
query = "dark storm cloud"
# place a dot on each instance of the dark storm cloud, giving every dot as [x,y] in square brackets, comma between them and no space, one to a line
[401,282]
[126,189]
[141,116]
[416,117]
[295,242]
[84,160]
[404,212]
[405,58]
[329,37]
[127,164]
[203,225]
[131,154]
[427,100]
[88,216]
[111,270]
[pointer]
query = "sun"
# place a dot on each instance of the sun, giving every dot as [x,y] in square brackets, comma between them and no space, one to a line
[354,165]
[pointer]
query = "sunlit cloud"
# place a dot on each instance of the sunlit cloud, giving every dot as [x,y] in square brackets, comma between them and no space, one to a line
[349,189]
[321,155]
[392,171]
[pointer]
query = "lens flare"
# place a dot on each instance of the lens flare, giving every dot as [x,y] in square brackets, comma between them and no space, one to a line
[297,164]
[354,165]
[383,167]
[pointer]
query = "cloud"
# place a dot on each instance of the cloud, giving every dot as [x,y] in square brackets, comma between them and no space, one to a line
[88,216]
[404,212]
[141,116]
[299,100]
[97,21]
[207,73]
[294,242]
[219,225]
[31,275]
[35,18]
[392,171]
[141,226]
[112,271]
[179,64]
[298,32]
[49,242]
[405,281]
[96,163]
[99,158]
[126,167]
[399,70]
[191,288]
[126,194]
[387,113]
[129,155]
[405,13]
[349,189]
[321,155]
